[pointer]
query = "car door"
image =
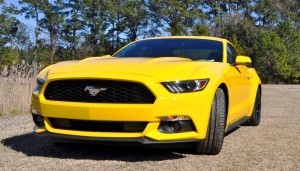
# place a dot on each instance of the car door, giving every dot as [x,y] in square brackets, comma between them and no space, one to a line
[239,86]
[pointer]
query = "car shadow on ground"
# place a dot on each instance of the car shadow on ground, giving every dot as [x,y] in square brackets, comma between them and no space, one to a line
[31,145]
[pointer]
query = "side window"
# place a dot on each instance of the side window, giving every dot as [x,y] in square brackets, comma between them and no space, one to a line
[231,54]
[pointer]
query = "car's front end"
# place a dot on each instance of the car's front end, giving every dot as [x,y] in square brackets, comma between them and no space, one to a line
[116,106]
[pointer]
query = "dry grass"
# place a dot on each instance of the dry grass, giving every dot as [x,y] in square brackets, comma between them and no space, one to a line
[15,94]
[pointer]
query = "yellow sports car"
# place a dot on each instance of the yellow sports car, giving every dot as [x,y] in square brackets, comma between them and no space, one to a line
[163,90]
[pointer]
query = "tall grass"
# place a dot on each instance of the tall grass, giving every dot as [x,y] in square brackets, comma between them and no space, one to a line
[15,95]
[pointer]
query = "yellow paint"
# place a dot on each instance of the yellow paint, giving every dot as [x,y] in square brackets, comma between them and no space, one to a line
[243,59]
[242,83]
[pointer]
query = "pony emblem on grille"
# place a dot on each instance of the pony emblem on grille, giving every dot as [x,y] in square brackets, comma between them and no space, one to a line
[94,90]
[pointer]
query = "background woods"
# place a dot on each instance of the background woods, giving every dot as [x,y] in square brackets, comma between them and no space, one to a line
[266,30]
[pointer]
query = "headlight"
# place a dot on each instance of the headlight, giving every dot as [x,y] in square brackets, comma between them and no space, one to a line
[40,82]
[185,86]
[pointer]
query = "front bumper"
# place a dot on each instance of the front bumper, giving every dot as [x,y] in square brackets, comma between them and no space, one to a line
[139,140]
[194,105]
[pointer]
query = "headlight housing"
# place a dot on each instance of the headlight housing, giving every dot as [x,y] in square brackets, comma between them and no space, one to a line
[185,86]
[40,82]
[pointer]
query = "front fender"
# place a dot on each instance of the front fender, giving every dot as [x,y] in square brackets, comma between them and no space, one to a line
[214,73]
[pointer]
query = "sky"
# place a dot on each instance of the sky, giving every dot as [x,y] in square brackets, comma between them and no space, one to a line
[29,22]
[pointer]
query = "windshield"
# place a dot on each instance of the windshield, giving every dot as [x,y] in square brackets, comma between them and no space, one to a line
[194,49]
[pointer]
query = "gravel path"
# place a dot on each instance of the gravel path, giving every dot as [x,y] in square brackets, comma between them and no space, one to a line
[274,145]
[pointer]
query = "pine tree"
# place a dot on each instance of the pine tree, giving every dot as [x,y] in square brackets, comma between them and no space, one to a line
[266,12]
[178,16]
[52,22]
[95,17]
[291,39]
[135,17]
[9,27]
[200,30]
[271,57]
[73,24]
[32,10]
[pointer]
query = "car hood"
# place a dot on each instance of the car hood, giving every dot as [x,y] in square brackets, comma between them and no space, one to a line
[165,68]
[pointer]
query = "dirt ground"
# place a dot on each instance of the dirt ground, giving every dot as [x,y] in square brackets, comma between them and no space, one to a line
[274,145]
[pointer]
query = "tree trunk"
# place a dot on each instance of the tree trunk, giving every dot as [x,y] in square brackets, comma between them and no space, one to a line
[52,32]
[36,34]
[35,60]
[73,44]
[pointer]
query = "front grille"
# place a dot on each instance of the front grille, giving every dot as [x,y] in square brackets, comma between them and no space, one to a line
[97,126]
[109,91]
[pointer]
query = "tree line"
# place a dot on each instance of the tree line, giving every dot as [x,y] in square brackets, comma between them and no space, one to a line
[266,30]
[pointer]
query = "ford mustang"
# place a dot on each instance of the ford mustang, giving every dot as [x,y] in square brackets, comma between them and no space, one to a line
[163,90]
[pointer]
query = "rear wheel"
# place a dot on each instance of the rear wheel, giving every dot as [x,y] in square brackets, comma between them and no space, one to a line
[255,117]
[215,133]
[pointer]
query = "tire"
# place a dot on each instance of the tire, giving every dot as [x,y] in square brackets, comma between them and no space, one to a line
[256,114]
[213,142]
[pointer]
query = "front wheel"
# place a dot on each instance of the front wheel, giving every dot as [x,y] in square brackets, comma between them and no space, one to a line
[213,142]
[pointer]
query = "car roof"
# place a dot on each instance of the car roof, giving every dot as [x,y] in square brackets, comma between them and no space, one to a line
[189,37]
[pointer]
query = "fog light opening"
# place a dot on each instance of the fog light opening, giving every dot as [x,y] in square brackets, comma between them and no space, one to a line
[176,124]
[38,120]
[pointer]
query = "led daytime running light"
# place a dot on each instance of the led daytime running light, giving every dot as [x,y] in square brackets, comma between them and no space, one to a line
[185,86]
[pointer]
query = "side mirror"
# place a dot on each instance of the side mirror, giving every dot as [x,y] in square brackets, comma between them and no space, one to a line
[243,60]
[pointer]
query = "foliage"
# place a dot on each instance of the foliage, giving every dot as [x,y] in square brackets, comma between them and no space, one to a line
[9,56]
[235,42]
[8,27]
[266,30]
[291,40]
[200,30]
[178,16]
[271,58]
